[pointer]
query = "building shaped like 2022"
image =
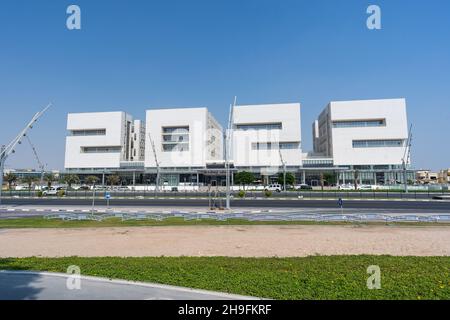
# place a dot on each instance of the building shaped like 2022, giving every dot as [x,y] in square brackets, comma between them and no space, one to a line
[363,140]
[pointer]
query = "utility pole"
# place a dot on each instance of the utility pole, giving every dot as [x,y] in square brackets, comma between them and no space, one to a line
[284,168]
[9,149]
[406,159]
[156,162]
[228,144]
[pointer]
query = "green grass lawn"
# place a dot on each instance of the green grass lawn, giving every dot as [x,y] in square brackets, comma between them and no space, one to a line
[317,277]
[39,222]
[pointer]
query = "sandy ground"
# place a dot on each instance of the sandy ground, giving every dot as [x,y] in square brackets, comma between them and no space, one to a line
[235,241]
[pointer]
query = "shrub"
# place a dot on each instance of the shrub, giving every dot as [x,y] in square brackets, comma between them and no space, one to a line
[268,193]
[40,194]
[241,194]
[61,193]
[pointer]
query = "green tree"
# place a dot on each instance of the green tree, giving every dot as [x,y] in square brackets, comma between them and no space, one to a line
[92,180]
[29,180]
[10,178]
[329,178]
[71,179]
[290,179]
[244,178]
[113,180]
[49,178]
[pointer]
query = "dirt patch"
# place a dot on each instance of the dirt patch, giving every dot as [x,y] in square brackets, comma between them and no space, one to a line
[248,241]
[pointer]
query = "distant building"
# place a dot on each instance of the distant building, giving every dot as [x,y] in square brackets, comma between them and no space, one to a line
[444,176]
[426,177]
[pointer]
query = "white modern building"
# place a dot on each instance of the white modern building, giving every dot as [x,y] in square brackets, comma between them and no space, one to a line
[368,136]
[182,142]
[266,137]
[354,141]
[103,141]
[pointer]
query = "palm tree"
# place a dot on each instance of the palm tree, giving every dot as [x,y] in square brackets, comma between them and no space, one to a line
[71,179]
[113,180]
[29,180]
[49,178]
[92,180]
[10,178]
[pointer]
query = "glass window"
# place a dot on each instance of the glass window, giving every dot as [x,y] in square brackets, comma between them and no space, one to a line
[259,126]
[93,132]
[377,143]
[359,123]
[275,146]
[101,149]
[175,139]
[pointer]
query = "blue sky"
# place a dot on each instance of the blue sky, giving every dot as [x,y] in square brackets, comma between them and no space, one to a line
[135,55]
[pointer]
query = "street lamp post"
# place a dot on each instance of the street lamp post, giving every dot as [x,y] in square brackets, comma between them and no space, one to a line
[2,169]
[228,139]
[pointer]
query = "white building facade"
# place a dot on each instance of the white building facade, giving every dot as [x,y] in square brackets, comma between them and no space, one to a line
[101,140]
[266,137]
[369,136]
[363,141]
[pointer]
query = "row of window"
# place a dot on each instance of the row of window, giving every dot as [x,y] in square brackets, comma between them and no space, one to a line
[180,147]
[377,143]
[101,149]
[90,132]
[275,145]
[259,126]
[175,130]
[359,123]
[175,139]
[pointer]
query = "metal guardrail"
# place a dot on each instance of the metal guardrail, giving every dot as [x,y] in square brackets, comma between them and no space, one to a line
[252,217]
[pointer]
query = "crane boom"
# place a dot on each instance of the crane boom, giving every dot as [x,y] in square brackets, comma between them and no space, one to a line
[7,150]
[40,164]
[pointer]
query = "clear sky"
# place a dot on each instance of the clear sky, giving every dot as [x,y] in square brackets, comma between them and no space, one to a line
[134,55]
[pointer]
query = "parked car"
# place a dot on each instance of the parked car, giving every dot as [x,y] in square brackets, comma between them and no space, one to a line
[346,187]
[274,187]
[301,187]
[364,187]
[121,188]
[53,191]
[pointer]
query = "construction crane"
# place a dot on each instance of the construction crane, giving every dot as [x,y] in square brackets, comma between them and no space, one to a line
[406,158]
[40,164]
[156,162]
[9,149]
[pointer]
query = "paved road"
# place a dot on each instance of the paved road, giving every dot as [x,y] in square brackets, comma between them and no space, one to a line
[306,194]
[412,206]
[47,286]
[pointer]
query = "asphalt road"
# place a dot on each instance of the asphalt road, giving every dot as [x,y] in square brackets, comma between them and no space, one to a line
[426,206]
[47,286]
[306,194]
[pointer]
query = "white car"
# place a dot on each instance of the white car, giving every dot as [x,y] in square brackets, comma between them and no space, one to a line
[274,187]
[346,187]
[364,187]
[53,191]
